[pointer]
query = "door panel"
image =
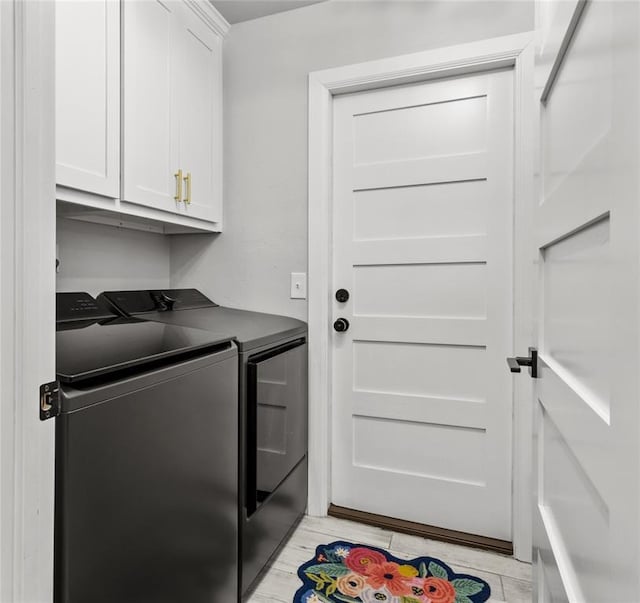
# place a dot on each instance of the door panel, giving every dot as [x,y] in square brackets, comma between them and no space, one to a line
[421,131]
[390,367]
[422,240]
[427,210]
[586,412]
[416,171]
[574,501]
[419,449]
[421,290]
[577,318]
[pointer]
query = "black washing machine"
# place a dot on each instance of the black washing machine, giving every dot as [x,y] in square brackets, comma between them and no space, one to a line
[273,398]
[146,489]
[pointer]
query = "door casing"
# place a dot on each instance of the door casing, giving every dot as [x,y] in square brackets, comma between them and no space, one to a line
[509,51]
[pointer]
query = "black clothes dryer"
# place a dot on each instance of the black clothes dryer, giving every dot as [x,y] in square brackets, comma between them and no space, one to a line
[273,399]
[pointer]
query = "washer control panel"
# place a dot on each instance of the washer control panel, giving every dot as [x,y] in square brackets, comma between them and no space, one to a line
[79,306]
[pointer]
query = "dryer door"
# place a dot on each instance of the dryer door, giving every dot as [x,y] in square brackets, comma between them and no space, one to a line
[276,418]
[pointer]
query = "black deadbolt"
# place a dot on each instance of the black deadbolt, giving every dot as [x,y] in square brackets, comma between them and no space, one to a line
[341,325]
[342,295]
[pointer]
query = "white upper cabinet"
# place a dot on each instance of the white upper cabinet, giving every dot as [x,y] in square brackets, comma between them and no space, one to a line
[139,136]
[88,96]
[172,110]
[198,102]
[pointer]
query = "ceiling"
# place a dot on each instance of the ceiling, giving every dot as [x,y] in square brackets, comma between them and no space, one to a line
[235,11]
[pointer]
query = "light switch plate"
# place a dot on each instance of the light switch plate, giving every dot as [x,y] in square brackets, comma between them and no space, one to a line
[298,285]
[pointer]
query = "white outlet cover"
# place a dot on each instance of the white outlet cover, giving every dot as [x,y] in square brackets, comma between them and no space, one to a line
[298,285]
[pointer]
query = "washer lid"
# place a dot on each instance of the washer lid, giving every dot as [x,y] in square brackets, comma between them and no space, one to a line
[85,351]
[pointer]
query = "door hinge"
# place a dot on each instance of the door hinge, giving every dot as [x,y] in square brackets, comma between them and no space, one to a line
[49,400]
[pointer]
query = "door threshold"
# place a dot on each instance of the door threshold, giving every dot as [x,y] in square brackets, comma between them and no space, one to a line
[495,545]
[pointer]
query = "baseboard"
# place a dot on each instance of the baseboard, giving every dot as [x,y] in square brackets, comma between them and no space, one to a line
[425,531]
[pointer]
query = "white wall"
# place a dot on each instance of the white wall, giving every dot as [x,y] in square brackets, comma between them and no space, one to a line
[97,258]
[266,62]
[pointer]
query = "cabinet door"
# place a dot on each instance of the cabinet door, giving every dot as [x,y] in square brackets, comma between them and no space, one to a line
[88,96]
[198,66]
[150,152]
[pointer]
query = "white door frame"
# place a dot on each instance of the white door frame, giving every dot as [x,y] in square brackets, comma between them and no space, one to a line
[509,51]
[27,289]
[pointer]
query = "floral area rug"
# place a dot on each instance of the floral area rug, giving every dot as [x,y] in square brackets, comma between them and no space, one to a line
[343,572]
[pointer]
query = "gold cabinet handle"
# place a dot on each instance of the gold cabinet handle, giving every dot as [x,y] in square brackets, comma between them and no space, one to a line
[178,177]
[187,182]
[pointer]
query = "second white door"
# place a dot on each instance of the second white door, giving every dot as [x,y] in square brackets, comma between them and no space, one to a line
[422,240]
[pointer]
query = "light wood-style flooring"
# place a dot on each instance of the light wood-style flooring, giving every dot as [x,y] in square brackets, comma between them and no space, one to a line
[510,580]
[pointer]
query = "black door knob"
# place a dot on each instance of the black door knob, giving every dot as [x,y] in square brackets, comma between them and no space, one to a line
[341,325]
[342,295]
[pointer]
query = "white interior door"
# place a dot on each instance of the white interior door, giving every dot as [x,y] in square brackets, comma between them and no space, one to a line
[586,512]
[423,219]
